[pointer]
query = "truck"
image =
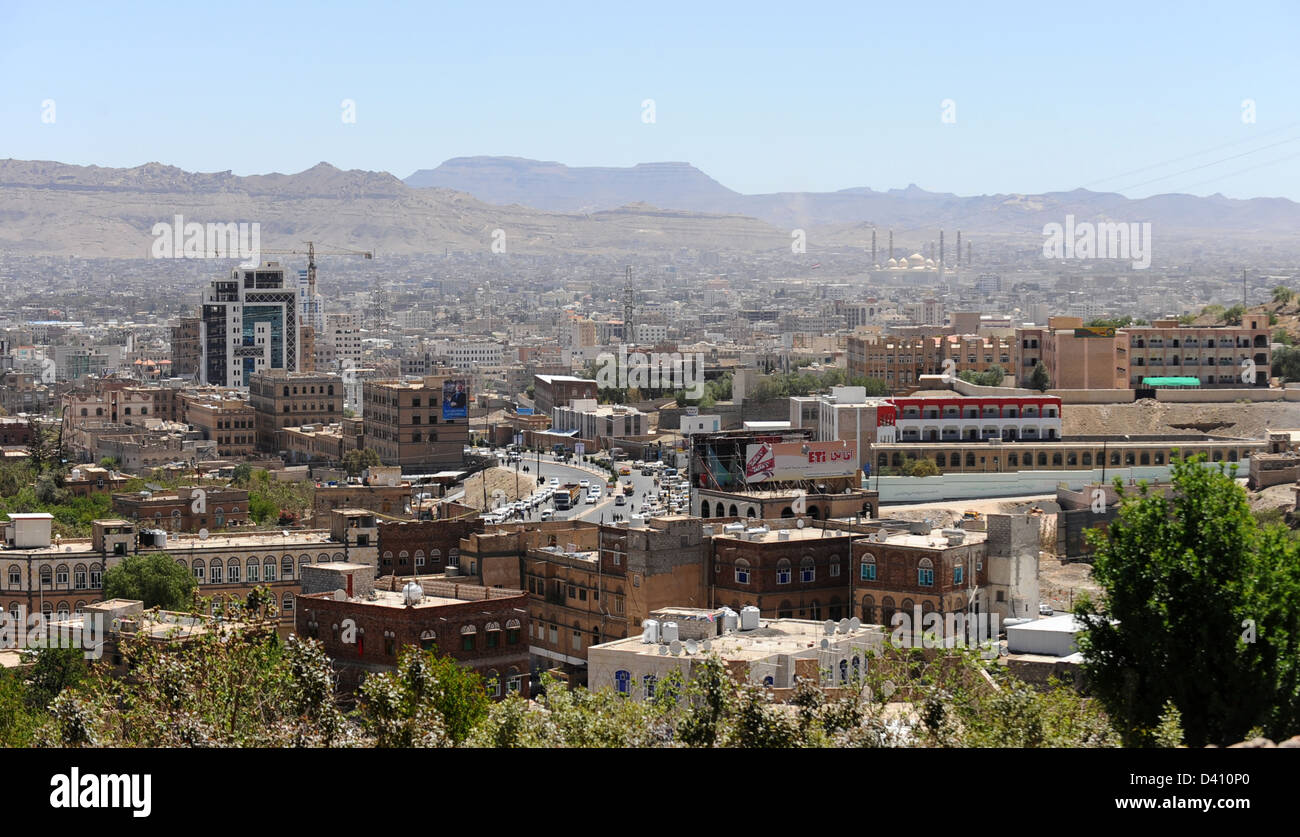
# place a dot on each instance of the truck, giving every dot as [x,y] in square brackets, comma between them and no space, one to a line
[566,496]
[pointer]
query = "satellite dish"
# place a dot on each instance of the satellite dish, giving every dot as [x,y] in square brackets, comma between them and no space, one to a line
[855,623]
[844,626]
[691,646]
[675,647]
[706,645]
[663,649]
[826,644]
[828,626]
[284,532]
[340,596]
[203,534]
[888,688]
[800,523]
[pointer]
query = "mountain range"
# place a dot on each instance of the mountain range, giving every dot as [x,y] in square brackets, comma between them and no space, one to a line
[50,208]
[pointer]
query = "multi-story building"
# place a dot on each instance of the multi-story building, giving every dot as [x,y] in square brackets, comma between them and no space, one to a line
[186,346]
[785,573]
[186,509]
[551,391]
[293,399]
[599,423]
[1079,452]
[52,575]
[417,425]
[977,419]
[900,362]
[365,630]
[423,547]
[1219,356]
[250,323]
[230,422]
[846,414]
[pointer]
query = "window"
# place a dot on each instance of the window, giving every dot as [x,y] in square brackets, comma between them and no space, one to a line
[268,569]
[493,631]
[867,569]
[577,640]
[254,568]
[807,570]
[494,683]
[286,567]
[15,577]
[835,566]
[648,684]
[925,573]
[957,572]
[623,682]
[61,575]
[742,571]
[512,632]
[419,557]
[514,680]
[215,572]
[198,570]
[79,579]
[554,635]
[783,571]
[287,606]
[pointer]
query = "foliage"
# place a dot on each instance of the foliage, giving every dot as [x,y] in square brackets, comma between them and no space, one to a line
[1233,315]
[1201,610]
[427,702]
[242,474]
[357,460]
[786,384]
[268,497]
[1039,378]
[1282,294]
[153,578]
[52,671]
[1286,363]
[990,378]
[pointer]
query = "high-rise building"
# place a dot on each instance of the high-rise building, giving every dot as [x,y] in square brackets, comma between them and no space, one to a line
[420,426]
[293,399]
[250,323]
[186,350]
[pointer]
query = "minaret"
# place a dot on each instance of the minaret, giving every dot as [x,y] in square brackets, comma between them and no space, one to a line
[891,244]
[959,248]
[873,249]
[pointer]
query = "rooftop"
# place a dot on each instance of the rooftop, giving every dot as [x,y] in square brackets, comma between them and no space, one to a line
[772,637]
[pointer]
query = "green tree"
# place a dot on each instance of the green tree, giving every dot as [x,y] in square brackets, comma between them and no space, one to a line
[427,701]
[52,671]
[357,460]
[1039,379]
[920,468]
[1200,610]
[153,578]
[242,474]
[1233,315]
[1286,363]
[1282,294]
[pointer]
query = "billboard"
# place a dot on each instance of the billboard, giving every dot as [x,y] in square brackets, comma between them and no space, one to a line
[1095,331]
[783,461]
[455,398]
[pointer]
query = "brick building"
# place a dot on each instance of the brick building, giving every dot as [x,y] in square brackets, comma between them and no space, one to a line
[292,399]
[423,547]
[364,626]
[230,422]
[551,391]
[186,509]
[786,573]
[407,425]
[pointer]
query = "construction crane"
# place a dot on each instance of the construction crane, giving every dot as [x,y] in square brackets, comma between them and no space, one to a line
[311,252]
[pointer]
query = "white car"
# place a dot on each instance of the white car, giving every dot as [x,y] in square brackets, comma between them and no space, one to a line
[547,514]
[555,481]
[584,483]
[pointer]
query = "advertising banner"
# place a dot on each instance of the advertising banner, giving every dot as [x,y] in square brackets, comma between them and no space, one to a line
[455,399]
[787,461]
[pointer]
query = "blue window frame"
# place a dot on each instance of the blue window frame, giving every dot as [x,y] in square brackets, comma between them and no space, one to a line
[925,577]
[957,575]
[868,572]
[623,682]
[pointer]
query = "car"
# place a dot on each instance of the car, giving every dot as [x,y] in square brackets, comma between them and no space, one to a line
[591,499]
[584,483]
[555,481]
[547,514]
[1044,609]
[620,500]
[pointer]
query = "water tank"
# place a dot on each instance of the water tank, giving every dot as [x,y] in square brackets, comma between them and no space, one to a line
[412,593]
[730,620]
[650,631]
[668,632]
[954,536]
[160,538]
[748,618]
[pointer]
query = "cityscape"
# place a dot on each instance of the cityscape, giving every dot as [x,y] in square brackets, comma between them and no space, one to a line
[509,452]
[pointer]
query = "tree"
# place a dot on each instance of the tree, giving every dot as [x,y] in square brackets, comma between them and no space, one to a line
[357,460]
[41,448]
[109,462]
[1286,363]
[991,377]
[1282,294]
[1233,315]
[427,699]
[153,578]
[1200,611]
[242,474]
[1039,379]
[920,468]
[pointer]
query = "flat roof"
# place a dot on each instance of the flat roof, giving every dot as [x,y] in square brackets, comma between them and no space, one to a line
[772,637]
[807,533]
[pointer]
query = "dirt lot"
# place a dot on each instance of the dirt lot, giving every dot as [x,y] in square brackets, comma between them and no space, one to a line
[498,479]
[1243,421]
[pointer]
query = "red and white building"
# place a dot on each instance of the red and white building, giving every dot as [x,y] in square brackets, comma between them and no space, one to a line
[962,419]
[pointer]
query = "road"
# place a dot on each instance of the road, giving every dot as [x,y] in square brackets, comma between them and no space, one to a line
[606,508]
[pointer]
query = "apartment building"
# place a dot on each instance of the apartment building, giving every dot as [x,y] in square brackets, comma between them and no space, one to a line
[420,426]
[186,509]
[976,419]
[250,323]
[551,391]
[283,399]
[785,573]
[599,423]
[901,361]
[230,422]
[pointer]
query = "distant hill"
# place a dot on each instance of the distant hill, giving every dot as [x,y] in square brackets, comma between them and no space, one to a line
[554,186]
[55,208]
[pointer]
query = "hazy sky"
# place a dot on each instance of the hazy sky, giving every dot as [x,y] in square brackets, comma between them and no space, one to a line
[762,96]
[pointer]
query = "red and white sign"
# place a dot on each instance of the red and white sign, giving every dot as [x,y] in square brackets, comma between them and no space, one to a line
[785,461]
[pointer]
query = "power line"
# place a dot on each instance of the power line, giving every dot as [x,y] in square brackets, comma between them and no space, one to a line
[1209,164]
[1190,156]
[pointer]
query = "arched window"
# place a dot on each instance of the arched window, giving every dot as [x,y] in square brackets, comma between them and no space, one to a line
[1087,460]
[493,683]
[15,578]
[216,571]
[176,520]
[232,571]
[867,567]
[200,573]
[1013,460]
[1042,458]
[219,517]
[268,569]
[623,682]
[733,511]
[419,558]
[61,575]
[64,610]
[807,569]
[254,566]
[1144,458]
[1056,459]
[720,511]
[47,576]
[453,557]
[435,556]
[925,573]
[648,685]
[79,577]
[388,558]
[970,460]
[80,607]
[704,509]
[941,460]
[403,558]
[323,558]
[783,571]
[287,603]
[467,637]
[742,571]
[286,567]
